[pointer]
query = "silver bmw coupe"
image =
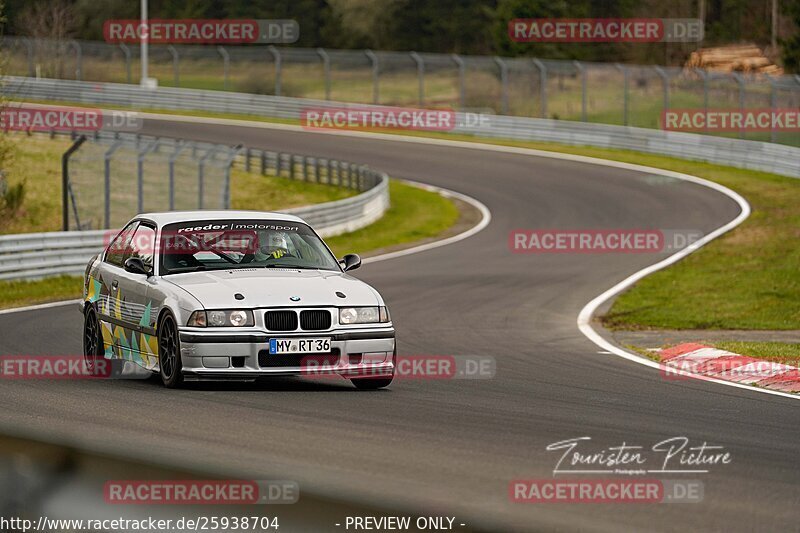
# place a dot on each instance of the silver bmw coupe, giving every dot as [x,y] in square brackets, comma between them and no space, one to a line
[233,295]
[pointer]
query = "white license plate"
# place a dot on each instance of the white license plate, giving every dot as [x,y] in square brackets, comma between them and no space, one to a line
[284,346]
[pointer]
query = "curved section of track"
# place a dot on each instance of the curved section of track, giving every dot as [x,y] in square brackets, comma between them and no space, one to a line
[453,446]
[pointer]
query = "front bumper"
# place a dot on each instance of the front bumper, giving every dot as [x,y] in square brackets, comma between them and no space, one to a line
[367,352]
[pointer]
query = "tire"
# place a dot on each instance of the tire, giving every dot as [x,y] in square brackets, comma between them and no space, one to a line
[169,353]
[375,383]
[93,348]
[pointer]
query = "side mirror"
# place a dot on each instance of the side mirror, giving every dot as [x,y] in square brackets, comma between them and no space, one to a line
[135,265]
[350,262]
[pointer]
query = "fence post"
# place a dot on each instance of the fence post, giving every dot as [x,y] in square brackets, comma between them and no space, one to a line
[127,52]
[625,76]
[705,75]
[504,83]
[773,103]
[226,64]
[582,70]
[542,86]
[172,158]
[200,175]
[373,59]
[226,186]
[107,183]
[29,46]
[665,81]
[78,58]
[66,188]
[742,95]
[276,56]
[420,76]
[140,174]
[461,78]
[326,67]
[175,64]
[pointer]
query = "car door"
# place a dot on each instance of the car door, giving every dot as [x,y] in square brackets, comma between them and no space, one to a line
[134,306]
[109,302]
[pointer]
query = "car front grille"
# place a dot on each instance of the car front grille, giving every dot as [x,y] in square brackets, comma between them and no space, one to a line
[315,320]
[280,320]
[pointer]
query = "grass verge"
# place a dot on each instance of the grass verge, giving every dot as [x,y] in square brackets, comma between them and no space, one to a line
[779,352]
[37,162]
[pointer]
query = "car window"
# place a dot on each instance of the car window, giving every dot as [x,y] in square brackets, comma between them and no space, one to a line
[115,253]
[229,245]
[143,245]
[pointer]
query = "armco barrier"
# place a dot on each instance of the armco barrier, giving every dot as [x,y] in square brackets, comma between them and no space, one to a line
[753,155]
[38,255]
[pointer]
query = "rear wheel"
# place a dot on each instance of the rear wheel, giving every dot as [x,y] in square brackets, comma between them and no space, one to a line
[93,348]
[169,353]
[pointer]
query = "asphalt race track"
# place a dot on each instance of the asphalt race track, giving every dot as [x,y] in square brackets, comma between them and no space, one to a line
[453,446]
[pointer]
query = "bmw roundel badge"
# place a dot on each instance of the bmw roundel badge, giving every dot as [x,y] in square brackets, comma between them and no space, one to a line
[294,298]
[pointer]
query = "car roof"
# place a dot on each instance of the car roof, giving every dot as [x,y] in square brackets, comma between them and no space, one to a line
[171,217]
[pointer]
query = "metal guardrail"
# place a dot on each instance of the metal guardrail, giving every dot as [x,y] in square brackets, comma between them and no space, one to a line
[38,255]
[753,155]
[613,93]
[115,175]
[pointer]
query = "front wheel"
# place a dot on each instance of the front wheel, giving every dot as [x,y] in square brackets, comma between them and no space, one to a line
[93,348]
[169,353]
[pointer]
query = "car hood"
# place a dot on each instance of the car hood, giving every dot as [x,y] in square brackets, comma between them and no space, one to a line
[274,288]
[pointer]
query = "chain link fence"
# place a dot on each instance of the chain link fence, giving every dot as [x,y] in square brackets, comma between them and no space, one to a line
[111,177]
[630,95]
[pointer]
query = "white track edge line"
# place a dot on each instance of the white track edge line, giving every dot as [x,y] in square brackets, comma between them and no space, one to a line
[38,306]
[486,218]
[585,315]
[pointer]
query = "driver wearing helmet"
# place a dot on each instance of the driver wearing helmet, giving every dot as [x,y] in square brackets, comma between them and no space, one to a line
[277,246]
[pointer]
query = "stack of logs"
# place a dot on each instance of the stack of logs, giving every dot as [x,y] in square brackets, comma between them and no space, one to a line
[745,58]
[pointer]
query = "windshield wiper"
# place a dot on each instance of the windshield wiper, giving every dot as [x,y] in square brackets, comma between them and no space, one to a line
[181,270]
[291,267]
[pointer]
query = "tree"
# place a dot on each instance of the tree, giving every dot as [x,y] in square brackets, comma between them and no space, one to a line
[791,46]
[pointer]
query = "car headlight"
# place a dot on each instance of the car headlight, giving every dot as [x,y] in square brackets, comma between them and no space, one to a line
[363,315]
[221,318]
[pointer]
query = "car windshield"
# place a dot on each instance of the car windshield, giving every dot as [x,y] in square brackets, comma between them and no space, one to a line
[237,244]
